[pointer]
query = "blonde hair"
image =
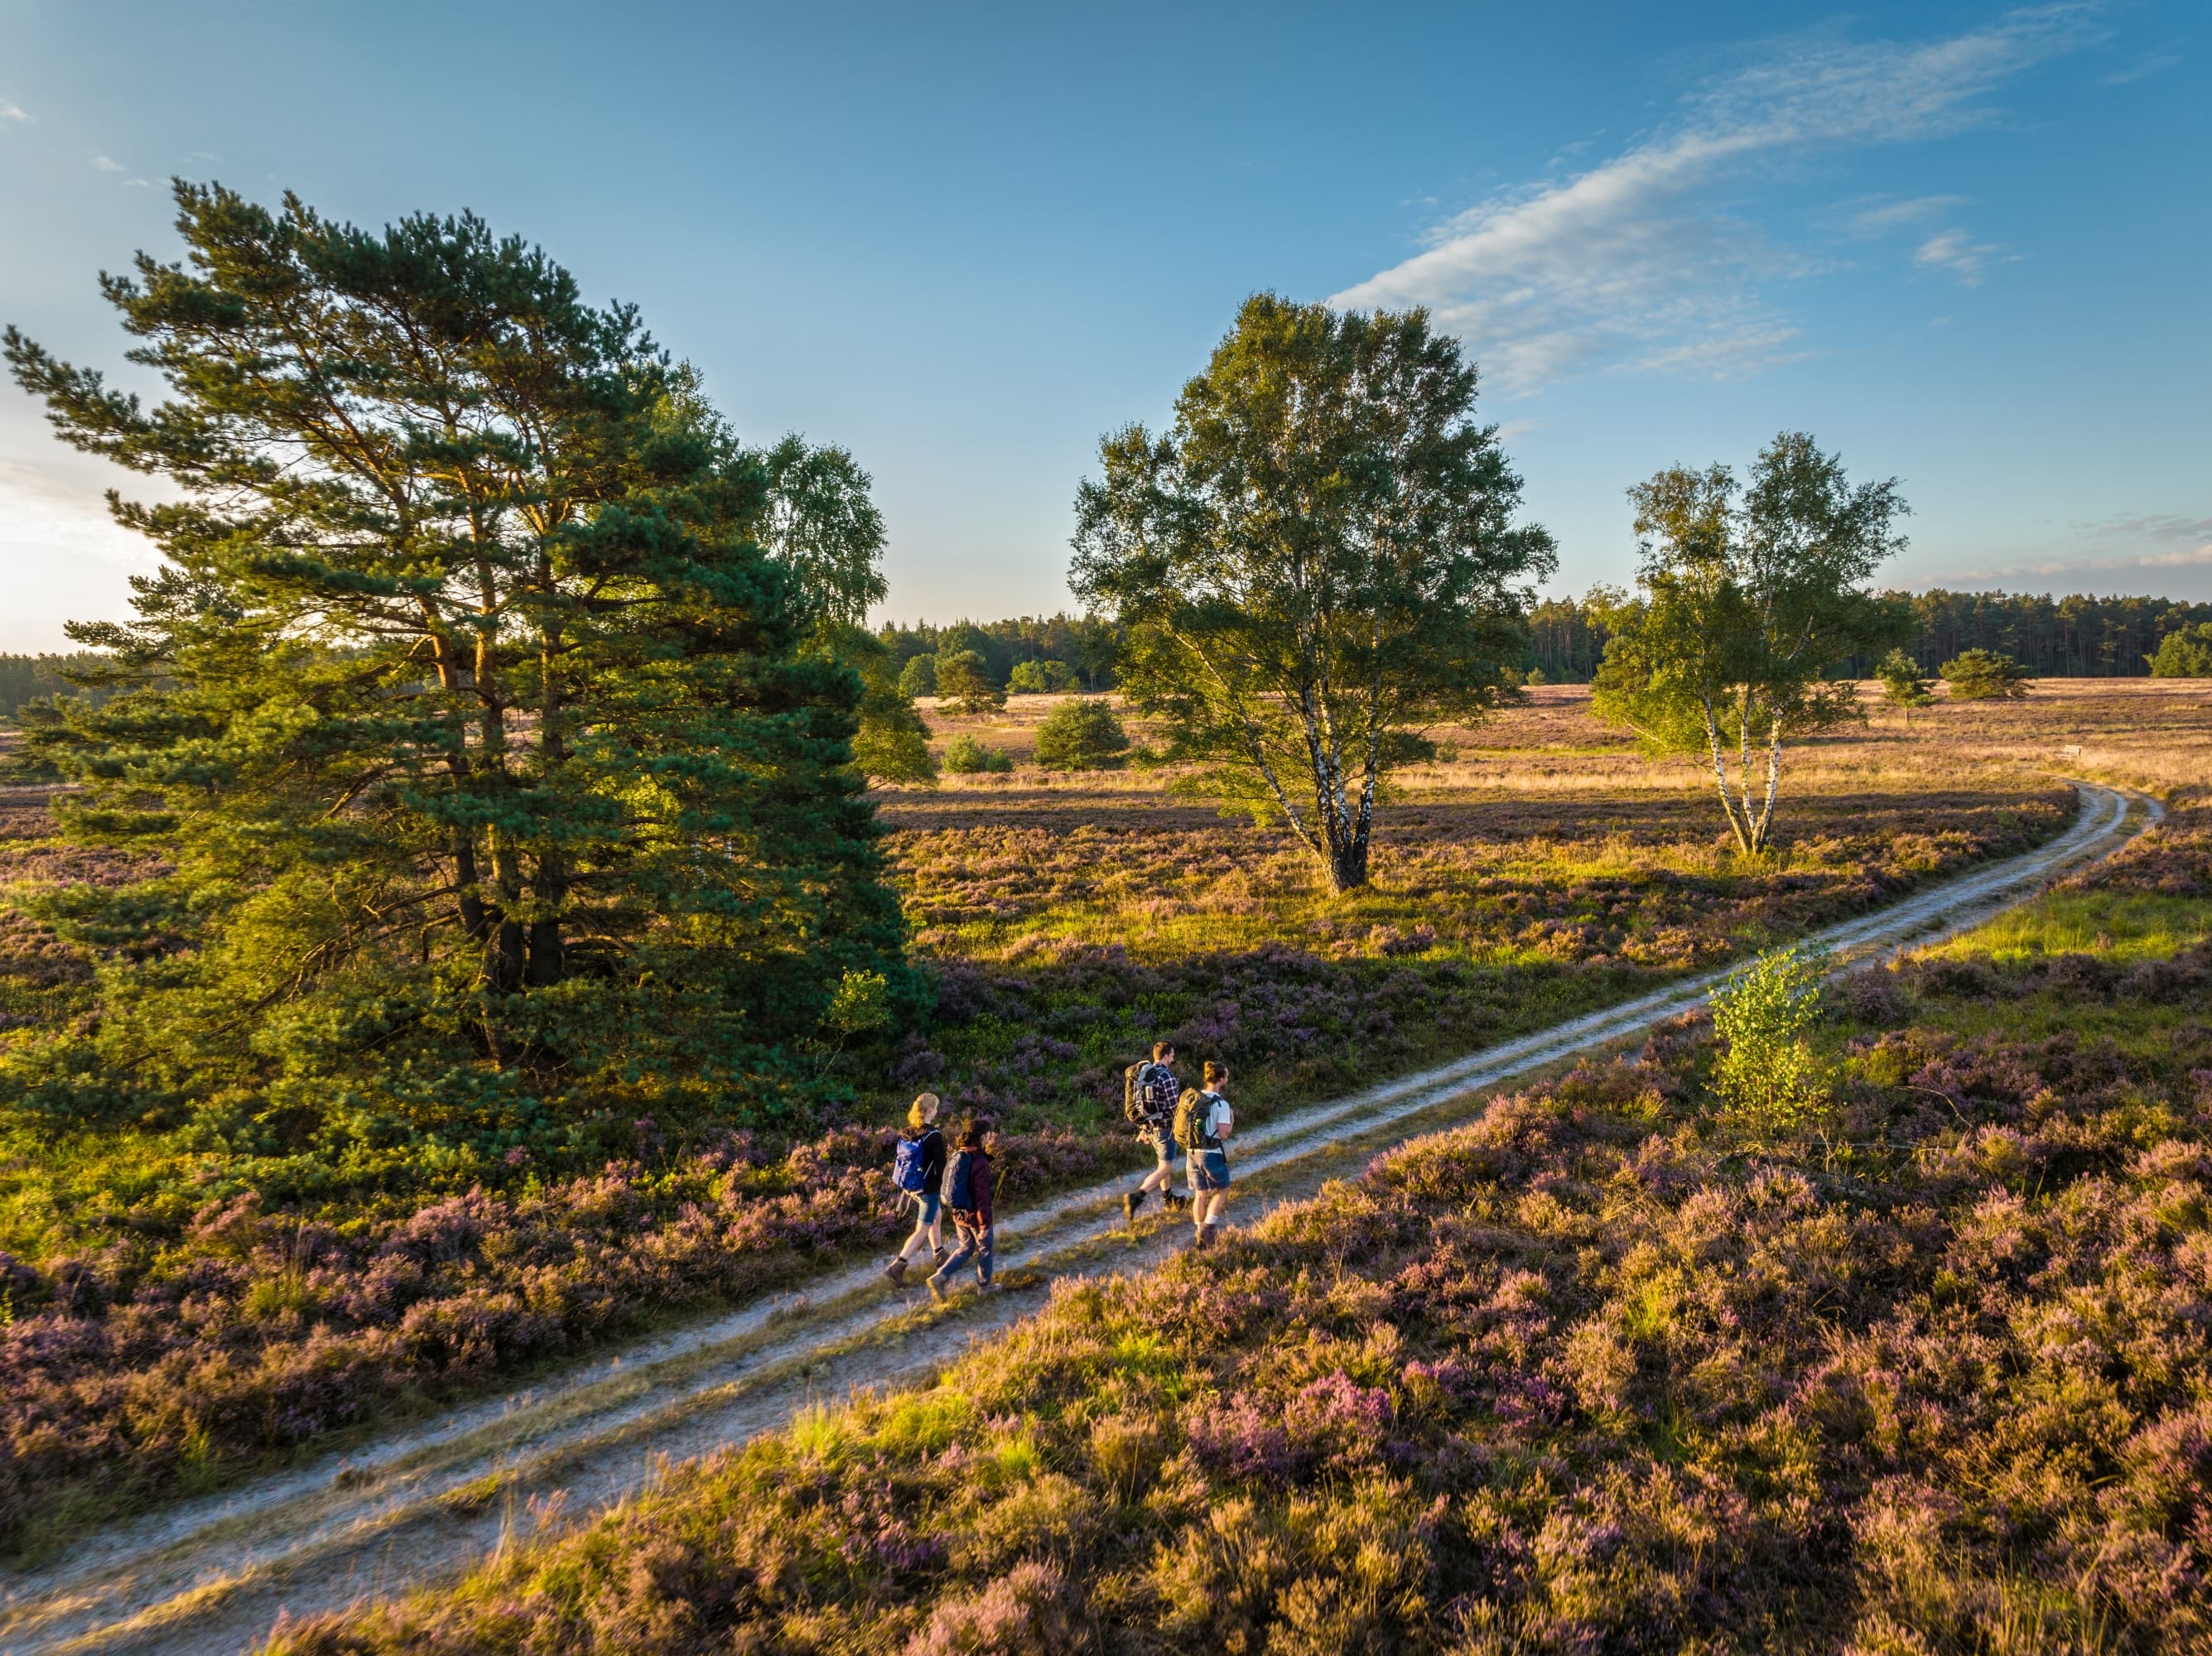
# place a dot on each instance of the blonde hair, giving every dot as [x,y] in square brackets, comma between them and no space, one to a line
[923,1111]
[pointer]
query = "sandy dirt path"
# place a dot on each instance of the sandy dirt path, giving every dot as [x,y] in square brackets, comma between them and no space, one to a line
[434,1498]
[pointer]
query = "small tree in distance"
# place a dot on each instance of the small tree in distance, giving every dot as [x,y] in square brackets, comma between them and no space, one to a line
[1902,686]
[1316,560]
[963,679]
[918,676]
[1081,734]
[1985,676]
[2185,652]
[1040,678]
[1744,611]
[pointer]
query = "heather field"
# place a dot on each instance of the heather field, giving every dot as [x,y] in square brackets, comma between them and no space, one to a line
[1612,1369]
[184,1304]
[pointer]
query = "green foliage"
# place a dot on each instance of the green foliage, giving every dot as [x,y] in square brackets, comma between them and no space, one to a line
[1041,678]
[892,742]
[503,787]
[1768,1071]
[2186,652]
[1985,676]
[820,524]
[964,679]
[1745,611]
[918,675]
[1081,734]
[1902,685]
[965,756]
[1316,560]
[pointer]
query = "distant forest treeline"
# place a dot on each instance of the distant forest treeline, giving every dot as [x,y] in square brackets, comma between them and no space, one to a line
[2074,637]
[26,678]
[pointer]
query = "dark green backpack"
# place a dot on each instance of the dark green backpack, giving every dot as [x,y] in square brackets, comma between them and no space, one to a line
[1191,1111]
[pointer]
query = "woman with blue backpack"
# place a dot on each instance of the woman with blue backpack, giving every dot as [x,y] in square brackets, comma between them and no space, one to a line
[968,1179]
[918,1170]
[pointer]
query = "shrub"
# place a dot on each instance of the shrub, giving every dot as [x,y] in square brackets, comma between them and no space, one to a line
[1902,684]
[1081,734]
[1768,1072]
[963,677]
[918,675]
[1041,678]
[2186,654]
[965,756]
[1985,676]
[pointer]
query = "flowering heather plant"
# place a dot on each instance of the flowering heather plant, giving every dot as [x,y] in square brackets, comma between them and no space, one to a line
[125,1371]
[1583,1375]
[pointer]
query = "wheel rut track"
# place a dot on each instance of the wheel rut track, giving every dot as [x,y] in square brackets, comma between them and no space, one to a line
[433,1499]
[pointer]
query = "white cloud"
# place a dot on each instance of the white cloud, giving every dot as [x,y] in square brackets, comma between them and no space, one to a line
[2142,69]
[107,164]
[1629,266]
[12,111]
[1960,254]
[1883,217]
[2134,542]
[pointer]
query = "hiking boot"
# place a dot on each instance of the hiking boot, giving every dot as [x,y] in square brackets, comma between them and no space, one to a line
[896,1271]
[936,1291]
[1199,1236]
[939,1255]
[1175,1203]
[1130,1201]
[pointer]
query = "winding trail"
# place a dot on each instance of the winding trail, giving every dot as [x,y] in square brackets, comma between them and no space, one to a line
[435,1498]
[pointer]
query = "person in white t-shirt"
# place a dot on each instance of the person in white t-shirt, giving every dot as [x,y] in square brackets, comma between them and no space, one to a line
[1209,1156]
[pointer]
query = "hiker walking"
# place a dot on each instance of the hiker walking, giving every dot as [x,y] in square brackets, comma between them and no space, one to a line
[1149,1091]
[967,1190]
[1203,1124]
[918,1169]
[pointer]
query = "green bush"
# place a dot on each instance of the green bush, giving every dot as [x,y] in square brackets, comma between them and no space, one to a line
[965,756]
[964,678]
[1041,678]
[1985,676]
[1768,1072]
[2186,654]
[918,675]
[1081,734]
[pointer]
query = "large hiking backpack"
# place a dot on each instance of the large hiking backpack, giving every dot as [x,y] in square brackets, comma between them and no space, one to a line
[906,1167]
[1147,1091]
[1190,1113]
[959,1187]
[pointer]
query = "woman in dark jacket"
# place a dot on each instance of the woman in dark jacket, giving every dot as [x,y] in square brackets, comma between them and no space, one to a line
[968,1179]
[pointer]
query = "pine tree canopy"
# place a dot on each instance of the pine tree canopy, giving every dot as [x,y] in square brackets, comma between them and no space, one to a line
[475,722]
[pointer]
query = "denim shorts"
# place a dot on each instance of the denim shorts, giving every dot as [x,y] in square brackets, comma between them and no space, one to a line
[1209,1170]
[927,1201]
[1163,1145]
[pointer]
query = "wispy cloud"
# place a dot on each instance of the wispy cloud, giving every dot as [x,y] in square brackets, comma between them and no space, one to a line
[1956,251]
[1883,217]
[13,112]
[2141,69]
[107,164]
[2143,542]
[1631,265]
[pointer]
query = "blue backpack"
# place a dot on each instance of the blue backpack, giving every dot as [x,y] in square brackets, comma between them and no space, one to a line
[959,1182]
[906,1167]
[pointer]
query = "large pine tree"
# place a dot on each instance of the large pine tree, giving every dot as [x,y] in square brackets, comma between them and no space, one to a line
[477,726]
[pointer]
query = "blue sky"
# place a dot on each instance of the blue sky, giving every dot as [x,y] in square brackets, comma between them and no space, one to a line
[1965,245]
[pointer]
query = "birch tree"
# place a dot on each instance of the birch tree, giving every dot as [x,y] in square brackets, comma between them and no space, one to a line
[1317,562]
[1746,608]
